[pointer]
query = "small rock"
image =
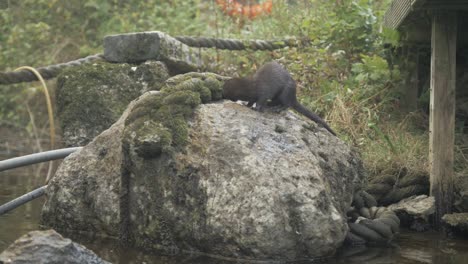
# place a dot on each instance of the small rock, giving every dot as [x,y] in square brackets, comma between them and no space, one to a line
[458,221]
[414,211]
[47,247]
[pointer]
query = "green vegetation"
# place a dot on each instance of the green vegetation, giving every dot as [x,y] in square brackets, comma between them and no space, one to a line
[344,74]
[169,111]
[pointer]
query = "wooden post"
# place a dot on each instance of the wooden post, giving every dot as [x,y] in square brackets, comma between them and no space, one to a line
[442,110]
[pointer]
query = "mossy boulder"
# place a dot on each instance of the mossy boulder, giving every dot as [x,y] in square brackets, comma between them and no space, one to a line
[90,98]
[154,124]
[180,171]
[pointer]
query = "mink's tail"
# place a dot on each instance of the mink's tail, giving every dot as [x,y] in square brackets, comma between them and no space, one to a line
[312,116]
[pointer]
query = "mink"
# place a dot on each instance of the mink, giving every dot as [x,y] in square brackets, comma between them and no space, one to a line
[272,84]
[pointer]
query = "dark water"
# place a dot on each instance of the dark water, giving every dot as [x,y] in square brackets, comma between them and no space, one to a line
[410,247]
[14,183]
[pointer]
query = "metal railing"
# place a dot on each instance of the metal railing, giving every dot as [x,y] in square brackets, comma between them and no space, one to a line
[29,160]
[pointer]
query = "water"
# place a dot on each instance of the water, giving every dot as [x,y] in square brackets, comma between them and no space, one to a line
[410,247]
[14,183]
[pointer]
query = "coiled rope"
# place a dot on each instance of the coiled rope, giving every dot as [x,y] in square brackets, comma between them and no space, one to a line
[388,189]
[370,224]
[49,72]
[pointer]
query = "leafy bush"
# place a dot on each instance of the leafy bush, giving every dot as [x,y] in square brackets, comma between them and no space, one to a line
[342,73]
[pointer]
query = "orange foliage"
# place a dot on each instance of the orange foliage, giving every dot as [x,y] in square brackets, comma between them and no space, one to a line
[235,9]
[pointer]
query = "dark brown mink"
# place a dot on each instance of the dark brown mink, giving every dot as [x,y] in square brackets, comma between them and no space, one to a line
[271,84]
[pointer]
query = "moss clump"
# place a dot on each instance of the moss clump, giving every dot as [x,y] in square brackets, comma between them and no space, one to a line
[184,97]
[280,129]
[209,85]
[148,104]
[216,88]
[174,118]
[151,139]
[158,122]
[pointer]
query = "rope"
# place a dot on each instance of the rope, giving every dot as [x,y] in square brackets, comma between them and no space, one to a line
[49,111]
[47,72]
[370,224]
[236,44]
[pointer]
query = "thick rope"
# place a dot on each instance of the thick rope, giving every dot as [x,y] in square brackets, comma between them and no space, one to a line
[49,72]
[370,224]
[236,44]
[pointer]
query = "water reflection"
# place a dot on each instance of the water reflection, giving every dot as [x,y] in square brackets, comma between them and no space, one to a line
[410,248]
[363,254]
[431,247]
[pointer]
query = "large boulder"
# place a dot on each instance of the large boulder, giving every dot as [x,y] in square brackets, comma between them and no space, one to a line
[90,98]
[47,247]
[219,178]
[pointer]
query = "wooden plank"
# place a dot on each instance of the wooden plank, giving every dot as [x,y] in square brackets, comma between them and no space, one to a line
[397,12]
[442,110]
[400,10]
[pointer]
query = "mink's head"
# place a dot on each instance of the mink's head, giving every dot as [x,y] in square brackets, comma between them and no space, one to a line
[236,88]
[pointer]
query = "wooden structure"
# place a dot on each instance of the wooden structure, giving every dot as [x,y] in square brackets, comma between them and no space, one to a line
[434,23]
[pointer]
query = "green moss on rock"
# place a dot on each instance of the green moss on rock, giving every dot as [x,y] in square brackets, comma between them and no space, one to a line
[216,88]
[169,111]
[146,105]
[151,139]
[91,97]
[280,129]
[184,97]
